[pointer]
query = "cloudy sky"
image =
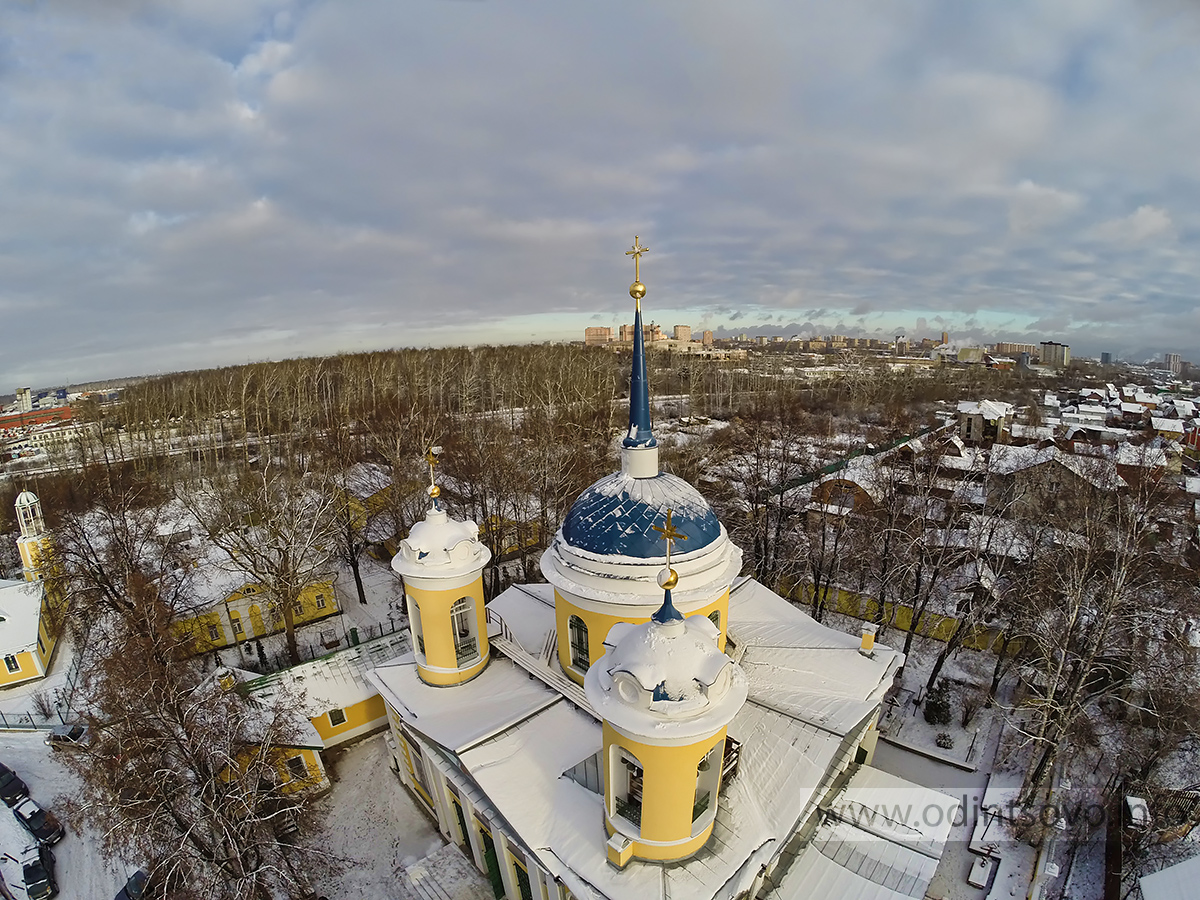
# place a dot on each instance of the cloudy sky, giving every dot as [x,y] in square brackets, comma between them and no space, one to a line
[189,183]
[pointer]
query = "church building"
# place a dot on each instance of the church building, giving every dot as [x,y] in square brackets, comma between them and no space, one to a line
[30,608]
[649,724]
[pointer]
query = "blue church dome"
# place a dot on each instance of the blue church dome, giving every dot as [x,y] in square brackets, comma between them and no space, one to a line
[616,517]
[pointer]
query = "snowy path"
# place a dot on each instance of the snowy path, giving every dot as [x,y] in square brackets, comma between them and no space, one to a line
[373,828]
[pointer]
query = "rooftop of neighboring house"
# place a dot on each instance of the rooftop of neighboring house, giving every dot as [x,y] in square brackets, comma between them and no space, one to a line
[20,613]
[989,409]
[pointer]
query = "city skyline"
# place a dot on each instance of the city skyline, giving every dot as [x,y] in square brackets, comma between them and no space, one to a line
[200,184]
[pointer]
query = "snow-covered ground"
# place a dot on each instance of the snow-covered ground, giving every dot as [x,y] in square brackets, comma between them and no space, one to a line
[82,869]
[373,829]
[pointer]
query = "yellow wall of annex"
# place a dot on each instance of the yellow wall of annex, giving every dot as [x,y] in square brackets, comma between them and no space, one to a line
[440,664]
[669,776]
[598,625]
[357,715]
[29,668]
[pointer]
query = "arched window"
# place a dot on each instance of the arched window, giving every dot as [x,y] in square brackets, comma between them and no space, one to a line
[462,623]
[715,618]
[580,653]
[625,776]
[414,622]
[708,780]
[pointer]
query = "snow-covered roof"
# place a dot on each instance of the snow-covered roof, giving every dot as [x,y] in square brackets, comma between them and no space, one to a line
[1171,425]
[441,547]
[810,696]
[20,612]
[989,409]
[665,678]
[1033,432]
[617,515]
[814,874]
[363,480]
[498,697]
[337,680]
[1177,882]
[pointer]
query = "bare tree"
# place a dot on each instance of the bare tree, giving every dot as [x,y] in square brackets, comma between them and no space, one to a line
[182,770]
[274,527]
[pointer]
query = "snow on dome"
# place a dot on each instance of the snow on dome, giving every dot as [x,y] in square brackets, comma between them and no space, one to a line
[616,516]
[665,678]
[26,499]
[440,545]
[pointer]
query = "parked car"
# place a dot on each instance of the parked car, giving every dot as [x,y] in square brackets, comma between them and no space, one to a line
[39,822]
[135,887]
[12,788]
[67,735]
[40,883]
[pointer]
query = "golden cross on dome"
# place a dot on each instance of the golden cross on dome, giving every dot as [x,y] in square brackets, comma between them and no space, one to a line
[431,458]
[670,535]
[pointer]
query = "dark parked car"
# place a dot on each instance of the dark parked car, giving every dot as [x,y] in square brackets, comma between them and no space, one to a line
[67,735]
[40,883]
[38,822]
[12,788]
[135,887]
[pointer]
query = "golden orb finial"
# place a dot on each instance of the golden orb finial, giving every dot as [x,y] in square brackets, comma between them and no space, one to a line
[668,578]
[435,491]
[637,291]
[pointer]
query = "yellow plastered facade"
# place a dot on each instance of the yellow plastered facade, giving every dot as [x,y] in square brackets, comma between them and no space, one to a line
[290,783]
[34,552]
[438,664]
[214,628]
[669,776]
[598,625]
[358,715]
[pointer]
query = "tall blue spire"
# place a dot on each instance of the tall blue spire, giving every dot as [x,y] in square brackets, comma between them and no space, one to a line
[639,434]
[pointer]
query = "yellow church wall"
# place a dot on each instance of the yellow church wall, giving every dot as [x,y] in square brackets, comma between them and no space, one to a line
[30,667]
[437,663]
[669,776]
[598,625]
[358,716]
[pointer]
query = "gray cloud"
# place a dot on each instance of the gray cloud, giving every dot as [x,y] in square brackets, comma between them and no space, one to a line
[210,181]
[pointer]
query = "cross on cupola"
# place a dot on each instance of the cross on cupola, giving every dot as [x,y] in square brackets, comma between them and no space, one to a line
[637,290]
[434,490]
[668,577]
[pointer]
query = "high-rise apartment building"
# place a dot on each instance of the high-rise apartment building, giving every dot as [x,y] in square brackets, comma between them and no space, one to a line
[682,332]
[597,336]
[707,339]
[1005,348]
[1174,362]
[1055,354]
